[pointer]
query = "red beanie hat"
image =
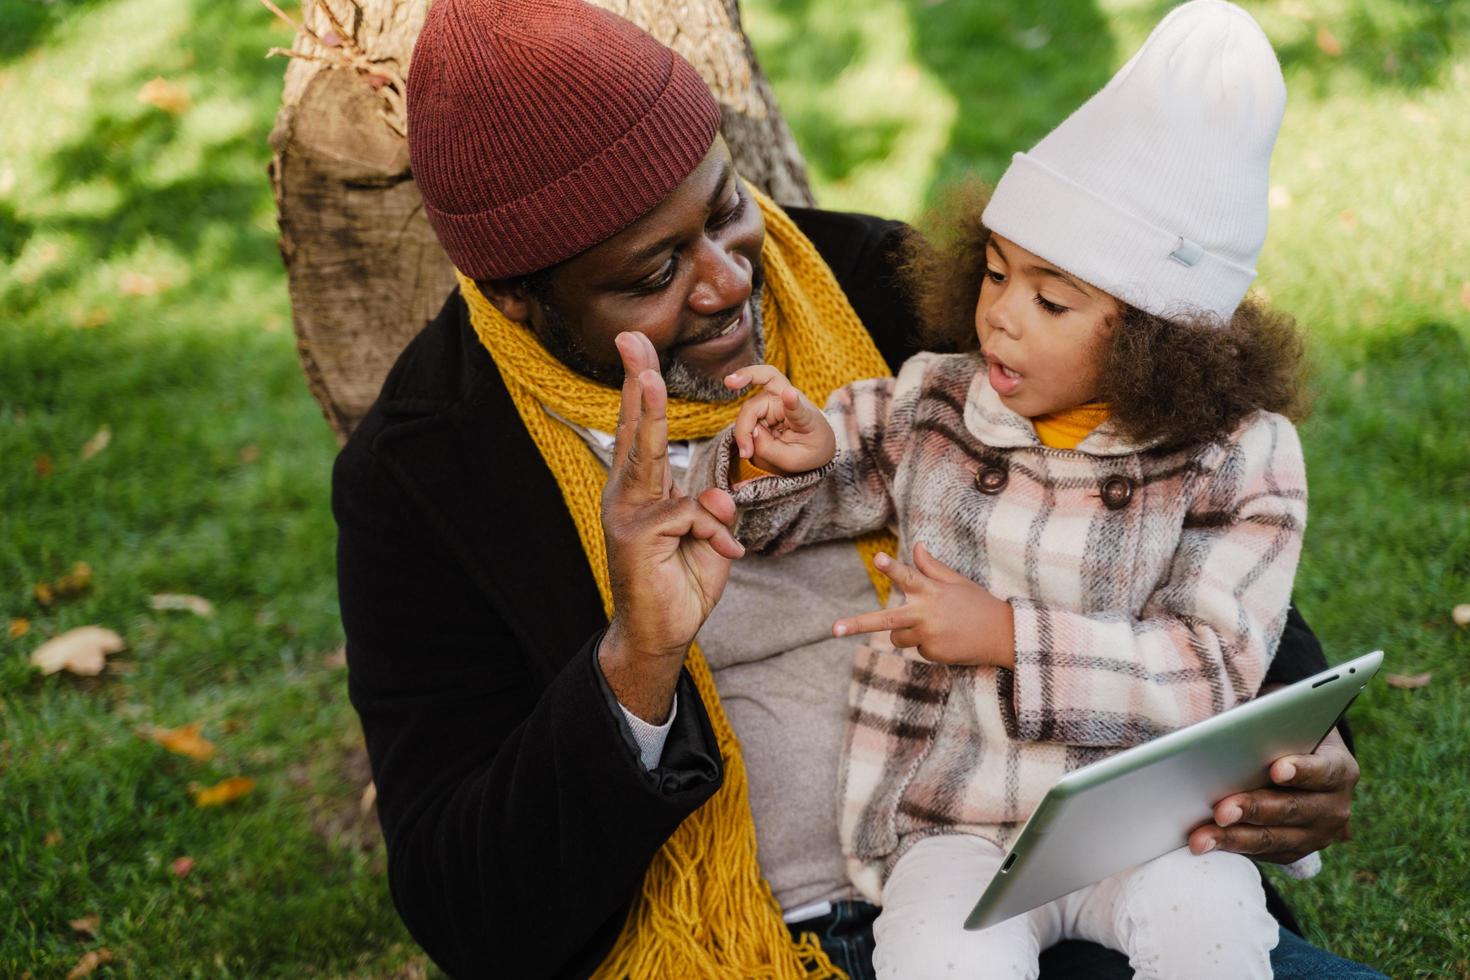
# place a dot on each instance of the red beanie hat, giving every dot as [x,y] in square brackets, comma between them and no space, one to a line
[538,128]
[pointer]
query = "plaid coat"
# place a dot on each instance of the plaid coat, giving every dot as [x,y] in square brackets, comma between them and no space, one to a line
[1149,589]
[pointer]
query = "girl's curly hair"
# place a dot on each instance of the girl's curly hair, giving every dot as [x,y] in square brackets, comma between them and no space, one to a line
[1182,380]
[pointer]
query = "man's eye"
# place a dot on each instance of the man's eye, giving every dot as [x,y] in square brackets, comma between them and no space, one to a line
[730,214]
[1055,309]
[660,279]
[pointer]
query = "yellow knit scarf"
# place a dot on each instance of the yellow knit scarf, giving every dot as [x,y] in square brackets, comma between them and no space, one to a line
[704,910]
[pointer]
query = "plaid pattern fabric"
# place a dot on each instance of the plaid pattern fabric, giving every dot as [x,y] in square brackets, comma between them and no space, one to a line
[1149,586]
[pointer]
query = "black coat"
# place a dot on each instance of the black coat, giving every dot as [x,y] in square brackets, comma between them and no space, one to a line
[518,818]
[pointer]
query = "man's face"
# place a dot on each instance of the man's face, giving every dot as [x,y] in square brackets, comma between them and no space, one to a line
[687,274]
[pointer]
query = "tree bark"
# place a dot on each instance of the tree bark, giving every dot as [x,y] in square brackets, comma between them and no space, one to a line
[364,269]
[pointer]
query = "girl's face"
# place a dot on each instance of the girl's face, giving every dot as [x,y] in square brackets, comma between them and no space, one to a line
[1041,330]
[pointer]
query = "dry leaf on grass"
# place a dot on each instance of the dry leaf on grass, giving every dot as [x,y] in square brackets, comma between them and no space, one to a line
[1408,682]
[181,866]
[19,627]
[249,454]
[178,602]
[87,924]
[53,837]
[184,740]
[140,284]
[1328,43]
[44,466]
[97,443]
[83,651]
[224,791]
[74,582]
[90,961]
[1461,614]
[163,94]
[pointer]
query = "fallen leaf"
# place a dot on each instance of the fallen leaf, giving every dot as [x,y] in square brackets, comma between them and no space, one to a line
[1348,219]
[181,866]
[74,582]
[176,602]
[1408,682]
[224,791]
[44,594]
[90,961]
[184,740]
[249,454]
[83,651]
[1460,614]
[1365,875]
[163,94]
[97,443]
[44,466]
[87,924]
[53,837]
[1328,43]
[19,627]
[140,284]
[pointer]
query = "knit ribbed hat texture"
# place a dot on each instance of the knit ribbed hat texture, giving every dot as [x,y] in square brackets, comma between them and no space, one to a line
[1155,190]
[538,128]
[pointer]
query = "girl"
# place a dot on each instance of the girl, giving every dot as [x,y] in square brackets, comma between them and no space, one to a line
[1104,507]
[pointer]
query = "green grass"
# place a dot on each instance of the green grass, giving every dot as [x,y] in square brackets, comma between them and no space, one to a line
[215,480]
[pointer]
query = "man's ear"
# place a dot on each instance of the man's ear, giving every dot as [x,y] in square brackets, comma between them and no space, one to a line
[508,296]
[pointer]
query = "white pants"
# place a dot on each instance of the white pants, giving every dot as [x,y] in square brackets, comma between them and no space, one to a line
[1178,916]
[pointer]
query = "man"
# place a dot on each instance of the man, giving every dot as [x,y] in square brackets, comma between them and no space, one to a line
[533,754]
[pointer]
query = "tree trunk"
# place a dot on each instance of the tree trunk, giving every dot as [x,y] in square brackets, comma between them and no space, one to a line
[364,269]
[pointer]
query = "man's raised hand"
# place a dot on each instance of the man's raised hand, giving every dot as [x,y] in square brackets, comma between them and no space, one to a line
[668,555]
[779,430]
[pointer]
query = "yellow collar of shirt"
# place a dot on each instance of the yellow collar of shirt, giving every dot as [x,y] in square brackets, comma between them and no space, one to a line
[1064,430]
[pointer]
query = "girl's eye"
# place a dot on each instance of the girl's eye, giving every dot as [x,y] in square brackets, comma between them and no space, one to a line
[995,277]
[730,215]
[1055,309]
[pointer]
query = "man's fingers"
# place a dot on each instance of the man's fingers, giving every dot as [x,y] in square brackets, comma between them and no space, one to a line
[692,519]
[646,468]
[1332,767]
[1268,807]
[874,622]
[719,503]
[1274,843]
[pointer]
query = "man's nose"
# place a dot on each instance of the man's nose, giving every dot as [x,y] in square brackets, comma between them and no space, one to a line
[721,278]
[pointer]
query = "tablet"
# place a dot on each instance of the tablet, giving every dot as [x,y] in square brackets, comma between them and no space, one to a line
[1143,802]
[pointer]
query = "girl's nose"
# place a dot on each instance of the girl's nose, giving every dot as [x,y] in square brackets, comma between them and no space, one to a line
[722,278]
[1001,314]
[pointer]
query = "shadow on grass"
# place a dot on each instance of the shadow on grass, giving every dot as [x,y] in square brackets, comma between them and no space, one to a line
[26,24]
[212,204]
[1015,70]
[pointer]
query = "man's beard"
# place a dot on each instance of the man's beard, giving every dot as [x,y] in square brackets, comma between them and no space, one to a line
[560,339]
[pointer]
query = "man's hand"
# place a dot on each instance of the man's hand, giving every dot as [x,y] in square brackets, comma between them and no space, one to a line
[668,555]
[1308,812]
[779,430]
[947,617]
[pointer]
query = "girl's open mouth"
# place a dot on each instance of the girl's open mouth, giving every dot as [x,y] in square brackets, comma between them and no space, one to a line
[1004,380]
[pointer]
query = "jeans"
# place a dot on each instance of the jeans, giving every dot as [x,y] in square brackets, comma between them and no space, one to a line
[846,935]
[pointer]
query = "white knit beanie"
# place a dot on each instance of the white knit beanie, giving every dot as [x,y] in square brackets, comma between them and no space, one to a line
[1155,189]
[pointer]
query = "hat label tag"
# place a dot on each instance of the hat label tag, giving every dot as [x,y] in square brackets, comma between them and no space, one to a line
[1187,253]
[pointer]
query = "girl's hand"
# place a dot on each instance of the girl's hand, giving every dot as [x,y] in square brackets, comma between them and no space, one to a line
[947,617]
[779,430]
